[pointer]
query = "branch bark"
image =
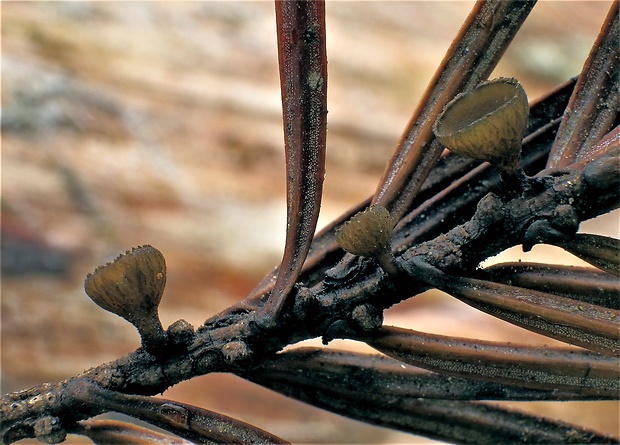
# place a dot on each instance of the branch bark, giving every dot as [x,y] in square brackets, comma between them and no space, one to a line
[321,310]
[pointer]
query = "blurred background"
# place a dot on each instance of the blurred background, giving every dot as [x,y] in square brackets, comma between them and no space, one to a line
[127,123]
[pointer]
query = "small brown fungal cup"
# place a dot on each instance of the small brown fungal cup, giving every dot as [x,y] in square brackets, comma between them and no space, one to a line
[131,287]
[369,234]
[487,123]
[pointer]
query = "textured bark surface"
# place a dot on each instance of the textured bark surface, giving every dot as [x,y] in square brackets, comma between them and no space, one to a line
[160,123]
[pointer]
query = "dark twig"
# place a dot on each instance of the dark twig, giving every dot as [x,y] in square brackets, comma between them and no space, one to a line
[578,283]
[378,374]
[578,323]
[474,53]
[453,187]
[326,305]
[610,142]
[108,432]
[575,370]
[600,251]
[303,80]
[333,294]
[190,422]
[452,420]
[595,103]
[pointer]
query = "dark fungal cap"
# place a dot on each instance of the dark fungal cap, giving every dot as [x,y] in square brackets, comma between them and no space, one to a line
[131,287]
[123,285]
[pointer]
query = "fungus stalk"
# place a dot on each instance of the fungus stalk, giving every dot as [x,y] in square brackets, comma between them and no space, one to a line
[131,287]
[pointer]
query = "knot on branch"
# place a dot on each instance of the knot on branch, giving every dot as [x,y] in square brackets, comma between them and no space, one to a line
[237,353]
[48,429]
[367,317]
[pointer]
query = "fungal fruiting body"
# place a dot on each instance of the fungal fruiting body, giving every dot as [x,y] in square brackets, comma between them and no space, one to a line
[369,234]
[131,287]
[487,123]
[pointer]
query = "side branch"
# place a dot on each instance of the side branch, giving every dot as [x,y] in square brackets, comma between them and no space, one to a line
[302,59]
[232,341]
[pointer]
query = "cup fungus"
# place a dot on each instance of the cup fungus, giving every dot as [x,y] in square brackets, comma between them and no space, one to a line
[131,287]
[487,123]
[369,234]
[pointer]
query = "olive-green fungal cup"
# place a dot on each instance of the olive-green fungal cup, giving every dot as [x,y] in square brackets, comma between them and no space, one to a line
[487,123]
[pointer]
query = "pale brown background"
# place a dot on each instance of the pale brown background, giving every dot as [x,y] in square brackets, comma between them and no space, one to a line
[127,123]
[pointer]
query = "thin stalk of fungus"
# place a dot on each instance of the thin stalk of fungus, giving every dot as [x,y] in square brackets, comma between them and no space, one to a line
[369,234]
[131,287]
[487,123]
